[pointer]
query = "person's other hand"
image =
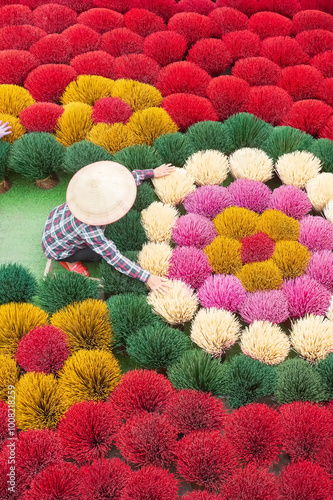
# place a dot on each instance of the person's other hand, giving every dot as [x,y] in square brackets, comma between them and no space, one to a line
[5,129]
[163,170]
[158,284]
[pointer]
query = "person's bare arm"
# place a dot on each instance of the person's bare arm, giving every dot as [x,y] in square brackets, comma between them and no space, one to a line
[5,129]
[158,284]
[163,170]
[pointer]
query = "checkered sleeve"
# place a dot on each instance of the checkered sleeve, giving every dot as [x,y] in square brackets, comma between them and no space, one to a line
[142,175]
[95,238]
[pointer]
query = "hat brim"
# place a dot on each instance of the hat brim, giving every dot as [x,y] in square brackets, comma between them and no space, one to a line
[101,193]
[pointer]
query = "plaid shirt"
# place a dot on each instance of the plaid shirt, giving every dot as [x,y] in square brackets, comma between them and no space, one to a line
[64,235]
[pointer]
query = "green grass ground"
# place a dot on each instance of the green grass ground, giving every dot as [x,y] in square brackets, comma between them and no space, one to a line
[24,210]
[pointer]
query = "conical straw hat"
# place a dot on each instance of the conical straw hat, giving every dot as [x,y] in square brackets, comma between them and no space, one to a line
[101,193]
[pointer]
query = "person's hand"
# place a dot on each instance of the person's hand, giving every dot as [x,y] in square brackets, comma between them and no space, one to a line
[158,284]
[163,170]
[5,129]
